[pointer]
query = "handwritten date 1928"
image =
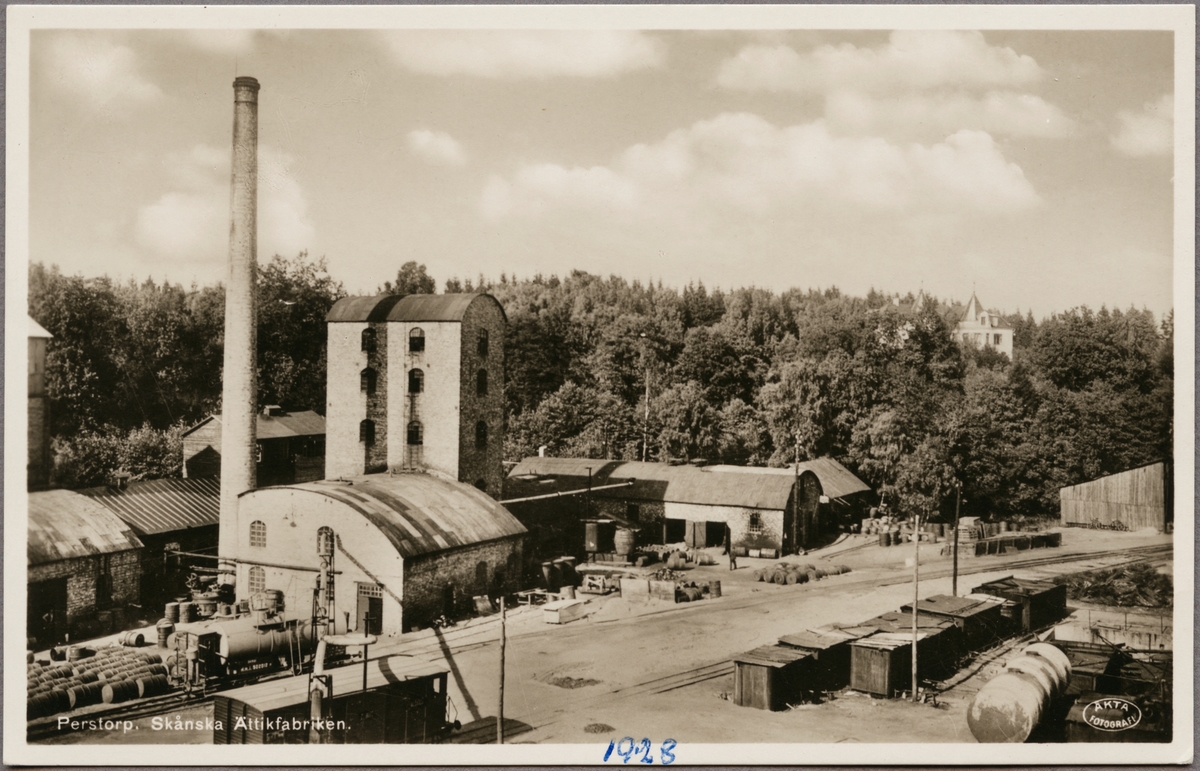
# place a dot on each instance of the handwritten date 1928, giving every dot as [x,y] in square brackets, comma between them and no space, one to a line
[628,749]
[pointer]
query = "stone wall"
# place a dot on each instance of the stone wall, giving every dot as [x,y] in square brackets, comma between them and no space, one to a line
[82,575]
[436,408]
[376,453]
[346,404]
[482,467]
[451,578]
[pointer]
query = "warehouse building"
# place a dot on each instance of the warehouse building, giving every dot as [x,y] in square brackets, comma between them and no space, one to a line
[407,547]
[786,510]
[290,447]
[169,516]
[1139,498]
[84,568]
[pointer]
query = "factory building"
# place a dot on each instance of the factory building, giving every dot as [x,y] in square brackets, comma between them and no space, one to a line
[290,447]
[407,547]
[786,510]
[84,568]
[416,383]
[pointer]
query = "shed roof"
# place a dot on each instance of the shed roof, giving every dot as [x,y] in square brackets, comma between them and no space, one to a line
[954,607]
[748,487]
[413,307]
[279,694]
[902,621]
[774,656]
[163,505]
[818,639]
[418,513]
[288,424]
[889,641]
[66,525]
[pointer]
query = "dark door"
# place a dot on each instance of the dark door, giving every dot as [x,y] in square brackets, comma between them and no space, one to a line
[47,612]
[370,608]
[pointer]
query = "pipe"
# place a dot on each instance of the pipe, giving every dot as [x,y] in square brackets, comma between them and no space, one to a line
[239,393]
[567,492]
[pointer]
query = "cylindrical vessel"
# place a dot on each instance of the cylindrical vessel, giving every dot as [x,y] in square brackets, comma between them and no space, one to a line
[132,639]
[714,589]
[623,541]
[164,628]
[1007,708]
[1038,669]
[185,613]
[571,575]
[568,592]
[239,375]
[557,567]
[171,612]
[548,576]
[1054,656]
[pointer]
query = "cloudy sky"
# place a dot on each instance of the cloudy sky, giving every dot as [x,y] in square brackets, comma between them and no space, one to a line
[1034,166]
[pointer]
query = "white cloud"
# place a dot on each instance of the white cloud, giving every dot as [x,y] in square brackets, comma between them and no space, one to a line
[191,222]
[740,164]
[911,115]
[909,60]
[525,54]
[437,146]
[222,41]
[96,70]
[1148,132]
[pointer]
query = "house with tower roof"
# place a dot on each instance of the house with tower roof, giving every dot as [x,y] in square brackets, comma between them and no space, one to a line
[984,328]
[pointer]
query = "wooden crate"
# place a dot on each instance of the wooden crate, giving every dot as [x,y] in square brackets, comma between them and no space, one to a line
[939,646]
[881,664]
[771,677]
[1041,602]
[563,611]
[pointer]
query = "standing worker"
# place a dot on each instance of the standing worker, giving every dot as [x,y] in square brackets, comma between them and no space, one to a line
[729,550]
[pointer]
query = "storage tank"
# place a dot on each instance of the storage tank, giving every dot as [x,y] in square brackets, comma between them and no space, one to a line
[1009,707]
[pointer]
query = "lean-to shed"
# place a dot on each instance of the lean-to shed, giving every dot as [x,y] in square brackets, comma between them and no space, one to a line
[771,677]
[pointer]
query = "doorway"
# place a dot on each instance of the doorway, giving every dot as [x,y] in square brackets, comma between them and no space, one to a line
[370,608]
[46,618]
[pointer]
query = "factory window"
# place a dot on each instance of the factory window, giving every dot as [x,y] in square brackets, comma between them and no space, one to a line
[416,340]
[368,340]
[368,378]
[257,581]
[415,433]
[258,534]
[481,383]
[481,435]
[756,525]
[416,381]
[483,342]
[366,432]
[995,339]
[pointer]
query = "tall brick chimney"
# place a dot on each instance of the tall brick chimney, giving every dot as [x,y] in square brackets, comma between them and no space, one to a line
[240,382]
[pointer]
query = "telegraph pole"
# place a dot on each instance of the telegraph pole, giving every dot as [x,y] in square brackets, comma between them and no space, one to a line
[957,503]
[500,710]
[916,598]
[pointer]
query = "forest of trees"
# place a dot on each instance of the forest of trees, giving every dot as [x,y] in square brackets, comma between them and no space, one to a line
[746,376]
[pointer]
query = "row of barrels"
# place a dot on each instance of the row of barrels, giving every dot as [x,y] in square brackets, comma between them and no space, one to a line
[195,610]
[112,676]
[789,573]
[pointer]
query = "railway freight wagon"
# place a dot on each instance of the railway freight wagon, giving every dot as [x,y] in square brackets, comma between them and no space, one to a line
[234,650]
[404,702]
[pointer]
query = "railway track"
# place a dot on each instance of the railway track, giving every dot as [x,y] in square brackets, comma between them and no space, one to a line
[461,640]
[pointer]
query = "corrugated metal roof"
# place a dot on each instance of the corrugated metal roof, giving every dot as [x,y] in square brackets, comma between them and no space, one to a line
[278,694]
[413,307]
[66,525]
[374,308]
[837,481]
[420,513]
[751,487]
[289,424]
[163,505]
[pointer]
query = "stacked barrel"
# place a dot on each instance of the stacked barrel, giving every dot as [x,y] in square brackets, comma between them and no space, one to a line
[111,676]
[790,573]
[1009,707]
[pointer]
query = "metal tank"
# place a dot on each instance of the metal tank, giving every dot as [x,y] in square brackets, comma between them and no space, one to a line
[1010,706]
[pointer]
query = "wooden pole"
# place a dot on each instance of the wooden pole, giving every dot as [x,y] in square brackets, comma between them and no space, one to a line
[954,574]
[500,710]
[916,598]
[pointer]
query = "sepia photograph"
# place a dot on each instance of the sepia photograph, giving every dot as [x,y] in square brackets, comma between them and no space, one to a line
[599,385]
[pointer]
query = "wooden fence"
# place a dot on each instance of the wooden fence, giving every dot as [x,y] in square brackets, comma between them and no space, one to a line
[1132,500]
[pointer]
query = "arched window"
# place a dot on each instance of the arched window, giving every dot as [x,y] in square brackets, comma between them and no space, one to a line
[366,432]
[416,381]
[416,435]
[258,533]
[368,378]
[257,581]
[325,542]
[416,339]
[368,339]
[481,383]
[483,342]
[481,435]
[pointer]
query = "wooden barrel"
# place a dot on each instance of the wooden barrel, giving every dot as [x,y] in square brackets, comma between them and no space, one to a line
[120,691]
[154,685]
[791,579]
[164,628]
[623,541]
[843,569]
[714,589]
[86,695]
[152,658]
[821,572]
[132,639]
[812,575]
[801,577]
[185,613]
[171,612]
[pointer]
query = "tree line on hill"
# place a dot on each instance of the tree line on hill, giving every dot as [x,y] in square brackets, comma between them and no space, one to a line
[608,368]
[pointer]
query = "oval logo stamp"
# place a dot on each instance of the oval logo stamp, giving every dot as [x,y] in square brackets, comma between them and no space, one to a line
[1112,714]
